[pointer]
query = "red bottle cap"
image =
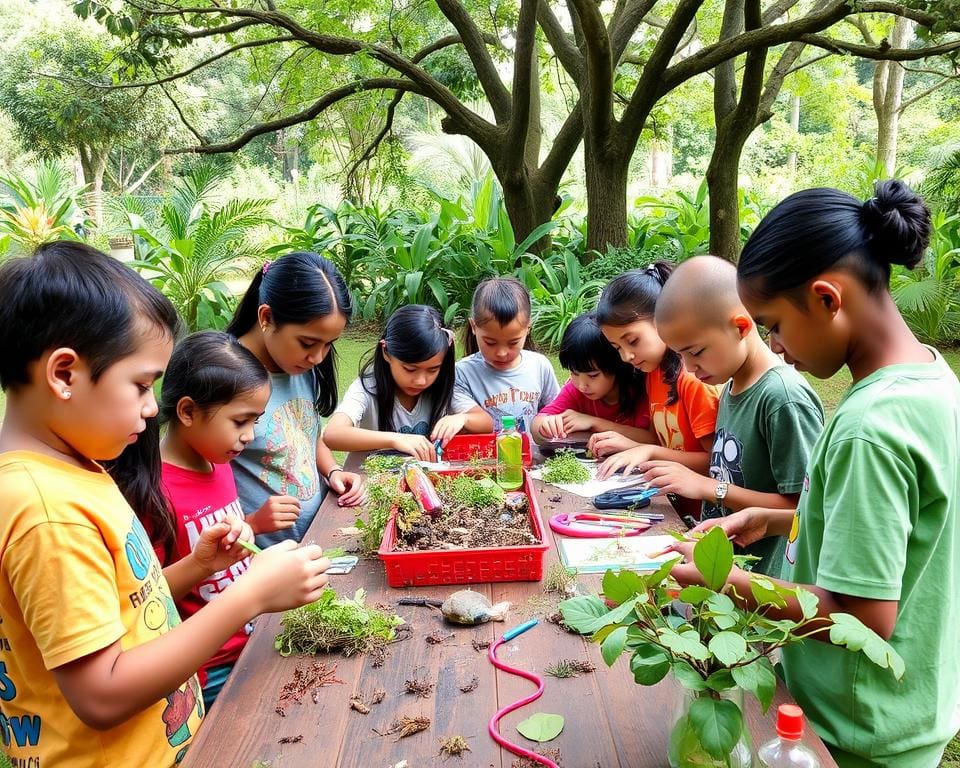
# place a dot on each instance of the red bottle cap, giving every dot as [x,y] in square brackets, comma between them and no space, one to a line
[790,721]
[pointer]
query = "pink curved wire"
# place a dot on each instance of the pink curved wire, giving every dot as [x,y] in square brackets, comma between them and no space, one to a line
[492,726]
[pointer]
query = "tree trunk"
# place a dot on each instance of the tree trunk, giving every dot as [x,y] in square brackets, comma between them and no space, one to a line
[722,177]
[93,160]
[887,97]
[606,180]
[528,206]
[661,161]
[795,125]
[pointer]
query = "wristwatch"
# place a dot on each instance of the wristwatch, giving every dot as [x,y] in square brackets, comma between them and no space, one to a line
[335,469]
[720,492]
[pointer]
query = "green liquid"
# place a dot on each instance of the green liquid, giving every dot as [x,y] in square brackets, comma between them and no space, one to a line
[510,461]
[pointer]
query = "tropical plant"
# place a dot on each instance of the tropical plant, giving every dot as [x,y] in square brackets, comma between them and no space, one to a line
[559,294]
[194,244]
[715,645]
[33,212]
[929,296]
[942,183]
[680,217]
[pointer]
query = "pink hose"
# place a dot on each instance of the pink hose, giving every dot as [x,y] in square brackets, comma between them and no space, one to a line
[493,725]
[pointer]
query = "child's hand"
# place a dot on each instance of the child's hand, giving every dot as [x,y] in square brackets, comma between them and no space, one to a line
[416,445]
[671,477]
[448,427]
[574,421]
[350,487]
[747,526]
[217,548]
[285,576]
[627,461]
[276,514]
[607,443]
[551,426]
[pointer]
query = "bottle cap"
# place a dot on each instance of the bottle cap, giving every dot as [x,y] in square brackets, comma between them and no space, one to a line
[508,422]
[790,721]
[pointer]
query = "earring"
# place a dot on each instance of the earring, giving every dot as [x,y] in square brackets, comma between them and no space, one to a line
[66,394]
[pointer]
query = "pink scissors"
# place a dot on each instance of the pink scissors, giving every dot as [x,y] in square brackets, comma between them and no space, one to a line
[595,526]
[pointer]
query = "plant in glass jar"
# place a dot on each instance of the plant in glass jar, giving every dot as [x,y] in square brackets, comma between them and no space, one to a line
[715,648]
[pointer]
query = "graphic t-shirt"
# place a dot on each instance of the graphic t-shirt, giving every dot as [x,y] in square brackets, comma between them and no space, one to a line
[880,519]
[360,406]
[520,392]
[765,436]
[199,500]
[680,425]
[282,457]
[571,398]
[69,546]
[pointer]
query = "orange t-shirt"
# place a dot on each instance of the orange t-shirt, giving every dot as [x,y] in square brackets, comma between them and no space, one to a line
[680,426]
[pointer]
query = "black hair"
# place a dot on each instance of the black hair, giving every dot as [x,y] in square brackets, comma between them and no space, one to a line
[633,296]
[585,349]
[209,367]
[299,287]
[71,295]
[818,229]
[413,333]
[503,299]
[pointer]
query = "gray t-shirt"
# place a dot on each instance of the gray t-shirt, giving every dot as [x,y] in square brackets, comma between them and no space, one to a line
[360,406]
[282,457]
[520,392]
[765,436]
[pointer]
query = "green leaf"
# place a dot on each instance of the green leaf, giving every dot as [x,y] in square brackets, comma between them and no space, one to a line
[612,646]
[657,578]
[713,556]
[809,602]
[723,611]
[649,664]
[688,677]
[616,616]
[695,594]
[759,679]
[765,592]
[721,680]
[686,644]
[541,727]
[718,723]
[620,587]
[728,647]
[849,631]
[579,612]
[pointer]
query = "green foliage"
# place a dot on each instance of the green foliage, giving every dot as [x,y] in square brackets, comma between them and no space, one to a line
[39,211]
[615,261]
[329,624]
[474,492]
[194,244]
[679,218]
[559,294]
[563,467]
[716,645]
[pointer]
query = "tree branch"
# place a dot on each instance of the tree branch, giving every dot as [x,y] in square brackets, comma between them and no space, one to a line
[881,52]
[623,27]
[476,49]
[564,146]
[566,50]
[922,95]
[725,83]
[526,37]
[861,26]
[751,86]
[776,10]
[808,62]
[183,117]
[323,103]
[899,9]
[599,75]
[374,144]
[781,69]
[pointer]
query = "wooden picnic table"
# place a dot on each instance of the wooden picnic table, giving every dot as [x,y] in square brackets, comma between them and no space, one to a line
[610,720]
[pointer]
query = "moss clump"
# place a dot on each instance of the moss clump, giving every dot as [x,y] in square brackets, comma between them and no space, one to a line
[564,468]
[473,492]
[378,464]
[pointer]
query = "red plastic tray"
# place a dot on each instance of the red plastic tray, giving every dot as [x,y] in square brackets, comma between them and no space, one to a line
[482,446]
[431,567]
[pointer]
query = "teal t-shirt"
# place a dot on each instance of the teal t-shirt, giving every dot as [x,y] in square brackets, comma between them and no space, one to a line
[765,436]
[879,520]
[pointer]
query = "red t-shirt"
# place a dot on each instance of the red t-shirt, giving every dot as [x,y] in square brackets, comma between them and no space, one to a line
[199,500]
[570,398]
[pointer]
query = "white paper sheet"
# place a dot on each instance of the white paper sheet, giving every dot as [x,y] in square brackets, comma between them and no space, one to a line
[601,555]
[593,487]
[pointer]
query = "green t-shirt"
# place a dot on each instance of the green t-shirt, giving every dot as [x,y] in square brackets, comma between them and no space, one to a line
[879,520]
[764,439]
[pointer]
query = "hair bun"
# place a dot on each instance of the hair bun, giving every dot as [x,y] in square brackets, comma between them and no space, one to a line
[897,222]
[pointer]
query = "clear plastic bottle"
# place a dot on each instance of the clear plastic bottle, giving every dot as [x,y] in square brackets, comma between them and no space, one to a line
[509,455]
[787,750]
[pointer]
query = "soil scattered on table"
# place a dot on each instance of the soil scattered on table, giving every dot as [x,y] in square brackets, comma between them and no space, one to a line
[290,739]
[406,726]
[361,704]
[471,686]
[453,746]
[307,678]
[480,645]
[525,762]
[418,687]
[557,618]
[438,636]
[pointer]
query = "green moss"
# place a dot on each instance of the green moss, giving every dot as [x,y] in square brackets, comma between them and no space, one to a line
[470,491]
[564,468]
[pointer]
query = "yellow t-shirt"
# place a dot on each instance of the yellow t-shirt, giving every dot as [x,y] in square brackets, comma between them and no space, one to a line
[78,573]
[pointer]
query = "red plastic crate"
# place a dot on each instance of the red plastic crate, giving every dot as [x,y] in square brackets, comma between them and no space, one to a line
[482,446]
[431,567]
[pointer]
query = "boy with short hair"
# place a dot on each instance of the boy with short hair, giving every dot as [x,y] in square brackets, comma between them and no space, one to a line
[769,417]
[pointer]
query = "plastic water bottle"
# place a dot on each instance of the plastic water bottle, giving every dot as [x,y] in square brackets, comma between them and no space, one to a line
[787,750]
[509,456]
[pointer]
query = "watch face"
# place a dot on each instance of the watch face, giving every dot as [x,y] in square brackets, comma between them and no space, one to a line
[721,492]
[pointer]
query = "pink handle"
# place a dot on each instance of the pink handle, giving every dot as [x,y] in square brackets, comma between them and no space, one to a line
[493,725]
[561,523]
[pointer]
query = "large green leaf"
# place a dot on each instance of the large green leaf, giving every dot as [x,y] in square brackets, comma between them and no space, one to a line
[849,631]
[541,727]
[684,644]
[580,612]
[718,723]
[728,647]
[612,646]
[759,679]
[620,587]
[713,556]
[649,664]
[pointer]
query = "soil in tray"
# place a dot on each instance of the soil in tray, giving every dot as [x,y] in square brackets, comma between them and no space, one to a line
[476,514]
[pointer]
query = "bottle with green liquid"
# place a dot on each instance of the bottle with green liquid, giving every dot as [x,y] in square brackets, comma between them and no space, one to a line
[509,455]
